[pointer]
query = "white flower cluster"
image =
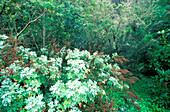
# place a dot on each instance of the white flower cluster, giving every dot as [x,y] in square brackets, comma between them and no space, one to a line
[116,83]
[44,51]
[2,41]
[15,67]
[32,54]
[114,55]
[3,37]
[114,80]
[43,59]
[76,54]
[34,103]
[98,60]
[24,52]
[33,86]
[116,67]
[53,65]
[1,44]
[69,84]
[106,58]
[9,91]
[75,90]
[28,73]
[76,63]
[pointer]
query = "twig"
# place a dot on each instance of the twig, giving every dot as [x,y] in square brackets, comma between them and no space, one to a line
[29,24]
[44,32]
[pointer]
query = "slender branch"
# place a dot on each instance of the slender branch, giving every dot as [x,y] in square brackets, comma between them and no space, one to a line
[2,9]
[28,25]
[44,32]
[49,34]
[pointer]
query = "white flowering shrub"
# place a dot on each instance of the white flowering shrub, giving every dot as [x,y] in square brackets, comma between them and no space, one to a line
[59,83]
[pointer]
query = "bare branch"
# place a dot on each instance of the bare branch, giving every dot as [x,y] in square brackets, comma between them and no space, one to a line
[28,25]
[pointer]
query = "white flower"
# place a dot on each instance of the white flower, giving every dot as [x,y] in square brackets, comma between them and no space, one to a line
[26,69]
[27,50]
[102,74]
[95,53]
[67,68]
[67,57]
[51,110]
[52,60]
[32,54]
[104,92]
[51,104]
[76,70]
[82,66]
[55,102]
[6,102]
[1,43]
[135,103]
[74,84]
[82,90]
[29,88]
[57,88]
[28,72]
[70,85]
[114,80]
[21,47]
[114,55]
[163,31]
[43,49]
[70,93]
[109,66]
[43,58]
[35,89]
[3,96]
[116,67]
[3,37]
[34,103]
[126,86]
[120,86]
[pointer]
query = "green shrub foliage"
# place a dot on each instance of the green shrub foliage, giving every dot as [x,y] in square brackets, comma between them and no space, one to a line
[159,59]
[64,82]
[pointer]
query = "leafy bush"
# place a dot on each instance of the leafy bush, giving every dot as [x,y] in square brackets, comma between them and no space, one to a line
[153,94]
[71,80]
[158,59]
[160,55]
[160,89]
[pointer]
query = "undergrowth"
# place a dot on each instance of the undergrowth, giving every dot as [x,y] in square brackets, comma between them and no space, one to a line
[146,89]
[67,80]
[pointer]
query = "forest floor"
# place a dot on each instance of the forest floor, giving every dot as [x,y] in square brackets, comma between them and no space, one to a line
[148,90]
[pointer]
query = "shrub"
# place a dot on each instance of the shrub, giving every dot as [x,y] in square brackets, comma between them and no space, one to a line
[71,80]
[158,59]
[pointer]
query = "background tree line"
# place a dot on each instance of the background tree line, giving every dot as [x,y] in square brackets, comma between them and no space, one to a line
[128,27]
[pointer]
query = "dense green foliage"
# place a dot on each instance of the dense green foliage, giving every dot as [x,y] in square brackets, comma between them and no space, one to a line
[135,29]
[61,83]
